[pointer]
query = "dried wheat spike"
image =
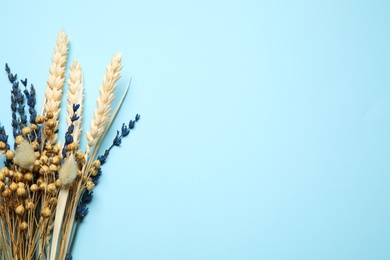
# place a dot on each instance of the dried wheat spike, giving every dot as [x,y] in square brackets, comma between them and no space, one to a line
[101,114]
[56,80]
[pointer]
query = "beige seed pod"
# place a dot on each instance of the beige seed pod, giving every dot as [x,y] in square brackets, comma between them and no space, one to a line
[3,146]
[23,226]
[9,154]
[5,171]
[33,127]
[2,176]
[19,139]
[43,186]
[52,168]
[21,185]
[96,164]
[93,171]
[46,212]
[44,159]
[35,145]
[49,147]
[56,160]
[21,192]
[52,188]
[49,115]
[19,176]
[34,188]
[58,183]
[56,149]
[39,119]
[7,192]
[51,124]
[29,205]
[13,186]
[90,185]
[48,132]
[11,173]
[29,176]
[19,210]
[37,155]
[26,130]
[2,185]
[44,169]
[53,201]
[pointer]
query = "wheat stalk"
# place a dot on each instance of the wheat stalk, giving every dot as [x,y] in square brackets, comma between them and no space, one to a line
[56,80]
[101,114]
[75,96]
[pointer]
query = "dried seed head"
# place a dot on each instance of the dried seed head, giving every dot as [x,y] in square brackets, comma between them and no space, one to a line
[52,168]
[37,155]
[93,171]
[46,212]
[2,176]
[11,173]
[21,192]
[49,115]
[19,210]
[9,154]
[25,155]
[23,226]
[3,146]
[39,119]
[19,176]
[35,145]
[51,123]
[56,160]
[19,139]
[90,185]
[29,205]
[7,192]
[33,127]
[48,132]
[52,188]
[2,185]
[21,185]
[48,147]
[58,183]
[29,176]
[13,186]
[34,188]
[43,186]
[68,171]
[96,164]
[56,149]
[44,159]
[5,171]
[53,201]
[44,169]
[26,130]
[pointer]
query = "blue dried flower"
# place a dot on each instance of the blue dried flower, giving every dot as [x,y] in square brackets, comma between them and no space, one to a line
[81,211]
[75,107]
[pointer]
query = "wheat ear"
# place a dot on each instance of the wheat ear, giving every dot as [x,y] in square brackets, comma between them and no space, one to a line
[56,80]
[75,96]
[101,114]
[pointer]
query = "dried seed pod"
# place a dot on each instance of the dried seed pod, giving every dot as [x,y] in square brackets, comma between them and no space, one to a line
[58,183]
[35,145]
[52,168]
[44,159]
[56,160]
[34,188]
[3,146]
[33,127]
[23,226]
[53,201]
[49,115]
[93,171]
[39,119]
[13,186]
[51,123]
[29,205]
[44,169]
[9,154]
[19,176]
[2,176]
[19,210]
[19,139]
[7,192]
[5,171]
[21,192]
[96,164]
[2,185]
[52,188]
[29,176]
[56,149]
[90,185]
[21,185]
[43,186]
[46,212]
[37,155]
[26,130]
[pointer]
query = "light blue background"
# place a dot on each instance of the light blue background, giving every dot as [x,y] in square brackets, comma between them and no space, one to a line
[265,130]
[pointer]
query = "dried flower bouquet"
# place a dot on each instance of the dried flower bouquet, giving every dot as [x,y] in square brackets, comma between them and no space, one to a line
[46,184]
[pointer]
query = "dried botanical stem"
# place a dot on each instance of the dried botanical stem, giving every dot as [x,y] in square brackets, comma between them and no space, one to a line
[75,96]
[56,80]
[101,114]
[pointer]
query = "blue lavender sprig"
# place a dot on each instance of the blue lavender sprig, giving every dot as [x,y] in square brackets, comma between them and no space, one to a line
[69,133]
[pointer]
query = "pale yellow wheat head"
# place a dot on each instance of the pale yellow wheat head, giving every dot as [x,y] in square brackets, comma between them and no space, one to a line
[101,114]
[75,96]
[56,79]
